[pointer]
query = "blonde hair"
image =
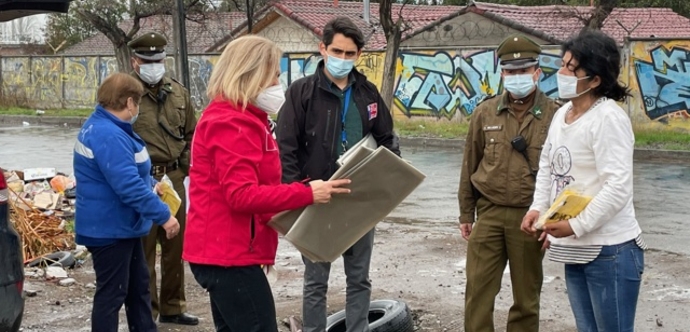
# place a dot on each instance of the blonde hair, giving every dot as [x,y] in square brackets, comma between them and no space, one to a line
[248,64]
[116,89]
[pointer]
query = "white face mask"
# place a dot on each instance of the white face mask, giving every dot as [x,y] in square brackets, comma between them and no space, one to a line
[152,73]
[271,99]
[519,85]
[567,86]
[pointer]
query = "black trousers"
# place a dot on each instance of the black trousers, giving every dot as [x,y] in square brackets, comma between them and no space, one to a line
[122,277]
[241,298]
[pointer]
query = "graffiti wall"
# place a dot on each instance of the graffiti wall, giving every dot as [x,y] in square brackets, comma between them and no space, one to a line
[428,83]
[444,84]
[200,68]
[50,82]
[661,79]
[297,65]
[70,82]
[452,83]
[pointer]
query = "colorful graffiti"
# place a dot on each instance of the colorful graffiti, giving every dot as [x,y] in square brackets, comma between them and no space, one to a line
[295,66]
[50,82]
[80,81]
[663,78]
[429,83]
[442,83]
[16,80]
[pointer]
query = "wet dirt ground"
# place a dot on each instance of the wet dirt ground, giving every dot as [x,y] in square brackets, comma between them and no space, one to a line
[418,257]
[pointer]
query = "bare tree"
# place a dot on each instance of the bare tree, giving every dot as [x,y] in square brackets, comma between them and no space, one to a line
[249,7]
[393,30]
[599,15]
[107,15]
[592,19]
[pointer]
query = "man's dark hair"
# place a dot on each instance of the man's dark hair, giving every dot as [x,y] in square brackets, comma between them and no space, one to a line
[598,55]
[344,26]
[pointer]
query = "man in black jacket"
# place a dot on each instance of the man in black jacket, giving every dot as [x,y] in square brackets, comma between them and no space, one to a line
[325,114]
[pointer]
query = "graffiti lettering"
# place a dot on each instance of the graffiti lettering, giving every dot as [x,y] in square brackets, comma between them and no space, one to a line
[443,83]
[665,82]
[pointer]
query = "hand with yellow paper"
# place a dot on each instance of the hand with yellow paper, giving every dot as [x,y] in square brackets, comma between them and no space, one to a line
[168,195]
[567,205]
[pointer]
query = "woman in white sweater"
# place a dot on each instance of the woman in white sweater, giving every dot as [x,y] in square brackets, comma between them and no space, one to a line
[590,147]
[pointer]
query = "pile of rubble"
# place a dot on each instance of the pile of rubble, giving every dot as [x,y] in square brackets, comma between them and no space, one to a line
[54,268]
[42,210]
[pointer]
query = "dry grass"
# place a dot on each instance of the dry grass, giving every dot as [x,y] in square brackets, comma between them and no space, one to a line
[40,234]
[430,128]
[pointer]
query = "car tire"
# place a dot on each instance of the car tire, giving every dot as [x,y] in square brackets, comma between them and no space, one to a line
[63,259]
[384,316]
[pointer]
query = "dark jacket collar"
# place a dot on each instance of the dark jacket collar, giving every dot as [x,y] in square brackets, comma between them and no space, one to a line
[539,96]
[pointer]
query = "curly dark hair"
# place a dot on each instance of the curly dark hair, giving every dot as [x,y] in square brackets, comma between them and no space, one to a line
[598,54]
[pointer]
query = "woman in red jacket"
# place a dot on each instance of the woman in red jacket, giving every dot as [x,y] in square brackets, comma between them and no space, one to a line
[235,187]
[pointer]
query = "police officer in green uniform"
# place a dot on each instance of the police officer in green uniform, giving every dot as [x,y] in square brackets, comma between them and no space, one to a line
[497,179]
[166,122]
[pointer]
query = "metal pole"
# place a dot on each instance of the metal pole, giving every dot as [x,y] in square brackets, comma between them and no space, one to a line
[182,44]
[366,11]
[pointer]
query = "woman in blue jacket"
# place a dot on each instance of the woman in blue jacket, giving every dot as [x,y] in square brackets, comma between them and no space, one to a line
[116,205]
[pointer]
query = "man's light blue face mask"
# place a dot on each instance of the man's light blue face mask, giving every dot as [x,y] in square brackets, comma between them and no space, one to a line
[338,67]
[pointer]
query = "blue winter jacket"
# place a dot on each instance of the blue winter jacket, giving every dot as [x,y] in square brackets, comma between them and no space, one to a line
[115,197]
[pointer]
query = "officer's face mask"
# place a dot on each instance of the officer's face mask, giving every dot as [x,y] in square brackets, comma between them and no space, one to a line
[520,85]
[271,99]
[567,86]
[338,67]
[152,73]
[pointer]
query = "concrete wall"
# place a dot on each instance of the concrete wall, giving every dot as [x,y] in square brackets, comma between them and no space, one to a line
[440,83]
[290,36]
[465,30]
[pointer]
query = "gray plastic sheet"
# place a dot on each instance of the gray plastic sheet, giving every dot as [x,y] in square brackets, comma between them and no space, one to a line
[380,182]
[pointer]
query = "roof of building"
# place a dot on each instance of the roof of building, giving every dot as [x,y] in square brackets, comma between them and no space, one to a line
[314,14]
[557,23]
[551,23]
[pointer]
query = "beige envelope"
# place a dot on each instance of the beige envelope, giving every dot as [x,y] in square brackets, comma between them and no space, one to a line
[380,182]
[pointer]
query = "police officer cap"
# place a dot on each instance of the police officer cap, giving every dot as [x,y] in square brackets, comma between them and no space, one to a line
[149,46]
[518,52]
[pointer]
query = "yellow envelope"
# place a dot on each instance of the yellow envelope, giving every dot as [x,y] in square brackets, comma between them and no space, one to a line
[566,206]
[170,197]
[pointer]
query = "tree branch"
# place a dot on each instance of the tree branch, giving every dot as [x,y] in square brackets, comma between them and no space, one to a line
[573,13]
[113,32]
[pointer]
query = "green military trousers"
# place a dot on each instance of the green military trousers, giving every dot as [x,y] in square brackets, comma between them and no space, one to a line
[496,238]
[172,298]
